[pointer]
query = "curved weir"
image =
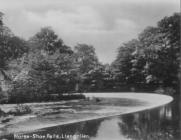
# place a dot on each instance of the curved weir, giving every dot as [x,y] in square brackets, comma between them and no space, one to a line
[152,100]
[144,101]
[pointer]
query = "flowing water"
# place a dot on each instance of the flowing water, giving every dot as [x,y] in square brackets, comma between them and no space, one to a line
[162,123]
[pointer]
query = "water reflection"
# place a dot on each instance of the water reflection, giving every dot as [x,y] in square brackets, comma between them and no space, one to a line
[109,130]
[157,124]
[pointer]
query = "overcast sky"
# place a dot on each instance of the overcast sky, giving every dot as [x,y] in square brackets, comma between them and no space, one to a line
[105,24]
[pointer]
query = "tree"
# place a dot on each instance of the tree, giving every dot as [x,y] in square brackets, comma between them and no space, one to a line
[85,61]
[49,65]
[47,40]
[99,79]
[152,59]
[11,48]
[1,19]
[128,64]
[161,50]
[170,28]
[86,58]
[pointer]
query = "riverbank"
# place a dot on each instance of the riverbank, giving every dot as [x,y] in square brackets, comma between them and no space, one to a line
[64,112]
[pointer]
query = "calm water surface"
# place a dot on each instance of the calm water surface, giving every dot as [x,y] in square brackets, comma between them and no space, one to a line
[162,123]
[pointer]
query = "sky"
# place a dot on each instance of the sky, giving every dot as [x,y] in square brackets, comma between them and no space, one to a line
[105,24]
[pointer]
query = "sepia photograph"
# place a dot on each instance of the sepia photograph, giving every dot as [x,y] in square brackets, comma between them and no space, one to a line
[90,70]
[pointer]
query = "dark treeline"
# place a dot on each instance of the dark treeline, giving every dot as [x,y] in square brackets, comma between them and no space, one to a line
[153,58]
[44,68]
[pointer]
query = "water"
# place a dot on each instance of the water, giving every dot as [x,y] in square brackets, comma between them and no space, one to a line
[162,123]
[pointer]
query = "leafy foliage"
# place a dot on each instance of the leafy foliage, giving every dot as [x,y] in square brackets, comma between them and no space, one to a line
[45,68]
[49,63]
[85,57]
[11,48]
[153,59]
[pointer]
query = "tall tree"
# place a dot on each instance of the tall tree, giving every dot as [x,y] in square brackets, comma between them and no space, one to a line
[127,66]
[85,57]
[161,50]
[154,58]
[85,61]
[11,48]
[47,40]
[49,63]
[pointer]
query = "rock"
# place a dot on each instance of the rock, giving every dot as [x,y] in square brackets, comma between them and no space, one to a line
[20,110]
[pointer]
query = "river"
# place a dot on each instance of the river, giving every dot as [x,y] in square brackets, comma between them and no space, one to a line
[161,123]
